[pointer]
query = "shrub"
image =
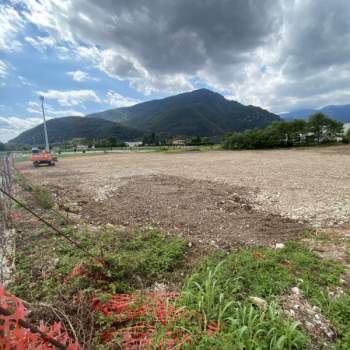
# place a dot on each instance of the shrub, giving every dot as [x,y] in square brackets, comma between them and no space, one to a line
[43,197]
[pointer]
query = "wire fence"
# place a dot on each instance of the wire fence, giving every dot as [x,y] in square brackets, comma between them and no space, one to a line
[7,232]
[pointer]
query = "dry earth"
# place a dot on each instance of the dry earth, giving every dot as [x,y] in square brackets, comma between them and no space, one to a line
[218,198]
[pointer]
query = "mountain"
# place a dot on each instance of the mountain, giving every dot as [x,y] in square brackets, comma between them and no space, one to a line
[341,113]
[65,129]
[200,112]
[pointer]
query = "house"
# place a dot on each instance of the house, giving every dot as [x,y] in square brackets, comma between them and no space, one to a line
[179,142]
[133,144]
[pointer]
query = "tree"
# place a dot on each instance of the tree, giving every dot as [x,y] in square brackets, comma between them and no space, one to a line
[324,128]
[287,134]
[207,141]
[150,139]
[316,123]
[2,147]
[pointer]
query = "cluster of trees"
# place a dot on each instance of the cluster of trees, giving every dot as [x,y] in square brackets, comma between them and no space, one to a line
[153,139]
[318,129]
[199,141]
[2,147]
[108,143]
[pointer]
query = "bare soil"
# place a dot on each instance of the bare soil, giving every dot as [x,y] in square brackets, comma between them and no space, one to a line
[216,199]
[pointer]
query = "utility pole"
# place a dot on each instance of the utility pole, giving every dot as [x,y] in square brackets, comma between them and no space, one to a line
[45,129]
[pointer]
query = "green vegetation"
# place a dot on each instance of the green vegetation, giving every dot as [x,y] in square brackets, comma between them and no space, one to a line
[267,273]
[217,294]
[219,291]
[109,143]
[319,129]
[43,197]
[130,260]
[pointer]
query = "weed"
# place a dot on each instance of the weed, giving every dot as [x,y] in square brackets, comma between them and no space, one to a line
[238,325]
[43,197]
[23,182]
[219,292]
[205,296]
[135,260]
[267,273]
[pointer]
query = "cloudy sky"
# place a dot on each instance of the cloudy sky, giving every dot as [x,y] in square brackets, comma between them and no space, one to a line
[90,55]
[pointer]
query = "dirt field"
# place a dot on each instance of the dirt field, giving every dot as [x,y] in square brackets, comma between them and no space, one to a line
[217,198]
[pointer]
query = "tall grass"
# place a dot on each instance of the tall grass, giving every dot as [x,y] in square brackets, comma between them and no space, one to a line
[239,325]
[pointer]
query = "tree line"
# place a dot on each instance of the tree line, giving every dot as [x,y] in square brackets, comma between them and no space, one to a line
[319,129]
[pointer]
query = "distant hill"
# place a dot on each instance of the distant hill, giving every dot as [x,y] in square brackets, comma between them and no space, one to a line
[341,113]
[65,129]
[200,112]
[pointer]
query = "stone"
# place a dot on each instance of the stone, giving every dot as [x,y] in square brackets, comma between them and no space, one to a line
[279,246]
[295,290]
[259,302]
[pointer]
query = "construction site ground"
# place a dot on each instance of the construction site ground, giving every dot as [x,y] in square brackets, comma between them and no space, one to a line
[217,199]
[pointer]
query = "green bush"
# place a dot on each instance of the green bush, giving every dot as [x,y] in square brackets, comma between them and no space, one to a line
[43,197]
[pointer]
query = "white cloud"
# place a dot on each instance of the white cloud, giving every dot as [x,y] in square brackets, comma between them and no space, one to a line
[11,23]
[10,127]
[41,43]
[35,108]
[3,70]
[25,81]
[117,100]
[71,97]
[80,76]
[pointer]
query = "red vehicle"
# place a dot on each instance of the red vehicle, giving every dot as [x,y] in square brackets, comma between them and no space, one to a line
[42,157]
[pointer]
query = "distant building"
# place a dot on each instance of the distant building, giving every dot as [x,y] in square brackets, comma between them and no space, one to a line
[346,127]
[179,142]
[134,144]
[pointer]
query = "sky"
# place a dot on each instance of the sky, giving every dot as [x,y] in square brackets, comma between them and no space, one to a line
[86,56]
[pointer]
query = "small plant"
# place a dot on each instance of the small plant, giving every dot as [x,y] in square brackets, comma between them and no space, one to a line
[43,197]
[206,296]
[250,328]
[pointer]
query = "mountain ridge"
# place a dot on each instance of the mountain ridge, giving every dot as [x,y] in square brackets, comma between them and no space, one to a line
[341,113]
[65,129]
[199,112]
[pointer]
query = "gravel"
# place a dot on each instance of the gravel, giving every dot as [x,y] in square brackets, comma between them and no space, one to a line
[307,185]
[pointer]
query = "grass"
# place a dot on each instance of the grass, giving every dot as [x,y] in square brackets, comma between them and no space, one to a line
[135,260]
[267,273]
[248,328]
[218,293]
